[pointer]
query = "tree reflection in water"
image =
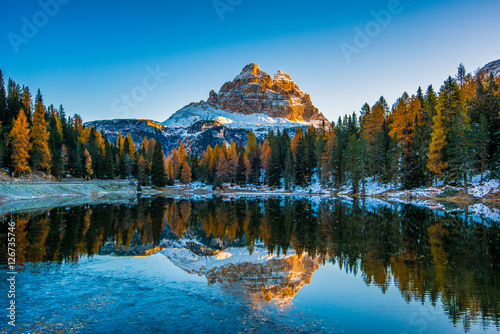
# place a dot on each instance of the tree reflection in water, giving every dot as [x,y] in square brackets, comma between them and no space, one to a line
[430,256]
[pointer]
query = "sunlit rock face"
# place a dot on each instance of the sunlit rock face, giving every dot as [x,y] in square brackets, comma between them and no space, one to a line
[261,275]
[254,91]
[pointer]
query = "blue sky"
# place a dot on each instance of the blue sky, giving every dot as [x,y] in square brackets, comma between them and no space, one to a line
[88,55]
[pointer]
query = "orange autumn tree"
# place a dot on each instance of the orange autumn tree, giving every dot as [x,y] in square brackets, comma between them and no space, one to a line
[40,154]
[373,120]
[20,140]
[185,172]
[436,162]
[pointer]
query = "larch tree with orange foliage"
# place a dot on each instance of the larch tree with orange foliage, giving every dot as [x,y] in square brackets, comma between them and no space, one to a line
[40,154]
[19,139]
[186,176]
[436,162]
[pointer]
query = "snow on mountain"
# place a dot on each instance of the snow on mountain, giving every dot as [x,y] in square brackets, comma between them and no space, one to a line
[209,112]
[493,67]
[253,100]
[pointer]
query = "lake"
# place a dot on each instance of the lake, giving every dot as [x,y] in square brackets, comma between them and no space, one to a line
[256,265]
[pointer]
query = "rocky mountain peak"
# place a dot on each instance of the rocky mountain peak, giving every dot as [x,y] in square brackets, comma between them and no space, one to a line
[254,91]
[282,76]
[251,69]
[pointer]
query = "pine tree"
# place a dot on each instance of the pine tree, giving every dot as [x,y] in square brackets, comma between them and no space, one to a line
[14,102]
[26,103]
[252,154]
[462,155]
[21,146]
[241,170]
[436,163]
[363,161]
[158,176]
[2,146]
[274,168]
[462,73]
[40,154]
[481,144]
[352,162]
[289,172]
[3,101]
[301,161]
[449,101]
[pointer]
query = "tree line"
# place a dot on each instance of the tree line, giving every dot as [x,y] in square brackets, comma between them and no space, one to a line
[39,138]
[448,135]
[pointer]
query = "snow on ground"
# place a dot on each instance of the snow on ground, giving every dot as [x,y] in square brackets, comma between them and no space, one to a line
[485,212]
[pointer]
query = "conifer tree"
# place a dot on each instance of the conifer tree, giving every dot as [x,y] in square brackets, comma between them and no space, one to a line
[158,176]
[352,162]
[232,161]
[14,102]
[274,168]
[463,158]
[301,161]
[64,160]
[481,144]
[185,172]
[449,101]
[265,156]
[88,164]
[436,163]
[241,170]
[40,154]
[289,172]
[252,154]
[170,172]
[26,103]
[3,100]
[21,146]
[2,145]
[141,171]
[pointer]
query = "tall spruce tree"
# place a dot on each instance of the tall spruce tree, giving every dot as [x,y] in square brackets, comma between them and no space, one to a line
[462,156]
[3,101]
[289,172]
[158,175]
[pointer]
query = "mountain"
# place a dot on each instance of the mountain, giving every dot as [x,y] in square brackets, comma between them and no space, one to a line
[252,100]
[196,136]
[493,67]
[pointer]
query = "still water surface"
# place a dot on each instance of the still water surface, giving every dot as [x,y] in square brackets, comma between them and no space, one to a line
[163,265]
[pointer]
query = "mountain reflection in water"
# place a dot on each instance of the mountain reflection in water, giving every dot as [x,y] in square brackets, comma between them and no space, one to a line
[271,247]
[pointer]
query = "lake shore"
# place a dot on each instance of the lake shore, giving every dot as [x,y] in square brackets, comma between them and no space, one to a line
[26,196]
